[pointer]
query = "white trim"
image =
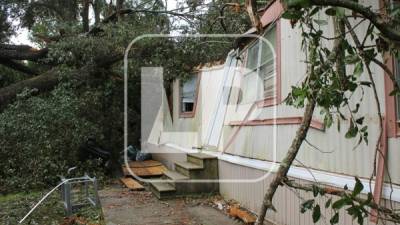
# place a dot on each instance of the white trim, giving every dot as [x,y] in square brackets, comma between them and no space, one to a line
[327,178]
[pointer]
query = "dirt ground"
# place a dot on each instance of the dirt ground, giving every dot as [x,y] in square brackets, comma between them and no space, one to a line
[123,207]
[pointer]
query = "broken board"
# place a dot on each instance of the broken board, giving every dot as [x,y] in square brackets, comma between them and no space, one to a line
[147,168]
[132,184]
[246,217]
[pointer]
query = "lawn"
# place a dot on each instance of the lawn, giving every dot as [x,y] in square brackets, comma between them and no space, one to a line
[13,207]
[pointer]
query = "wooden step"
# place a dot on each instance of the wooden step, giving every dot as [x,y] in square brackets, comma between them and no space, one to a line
[200,158]
[173,175]
[185,168]
[162,190]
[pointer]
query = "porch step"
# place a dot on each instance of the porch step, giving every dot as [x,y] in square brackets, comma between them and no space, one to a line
[185,168]
[172,175]
[200,158]
[198,166]
[162,190]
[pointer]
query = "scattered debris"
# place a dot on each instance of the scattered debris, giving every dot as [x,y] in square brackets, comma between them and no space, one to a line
[75,220]
[246,217]
[132,184]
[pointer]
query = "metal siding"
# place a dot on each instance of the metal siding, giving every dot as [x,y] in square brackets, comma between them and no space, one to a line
[286,202]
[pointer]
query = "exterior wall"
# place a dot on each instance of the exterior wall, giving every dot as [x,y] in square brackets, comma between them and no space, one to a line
[286,201]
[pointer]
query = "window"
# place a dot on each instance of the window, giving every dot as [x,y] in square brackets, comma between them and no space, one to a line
[188,94]
[259,78]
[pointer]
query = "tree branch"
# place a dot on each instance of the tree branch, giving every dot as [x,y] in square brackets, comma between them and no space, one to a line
[377,19]
[50,79]
[18,66]
[21,52]
[390,215]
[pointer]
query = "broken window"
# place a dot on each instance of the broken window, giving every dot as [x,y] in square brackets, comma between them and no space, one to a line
[259,79]
[188,93]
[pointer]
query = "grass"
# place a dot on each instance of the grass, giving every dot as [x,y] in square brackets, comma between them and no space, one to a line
[13,207]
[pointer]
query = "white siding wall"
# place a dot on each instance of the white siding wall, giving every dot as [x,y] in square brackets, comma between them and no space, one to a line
[286,201]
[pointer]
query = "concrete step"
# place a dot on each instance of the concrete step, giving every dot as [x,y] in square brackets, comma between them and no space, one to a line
[200,158]
[187,168]
[163,190]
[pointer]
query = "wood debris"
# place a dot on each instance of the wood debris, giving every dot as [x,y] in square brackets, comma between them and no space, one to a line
[132,184]
[246,217]
[147,168]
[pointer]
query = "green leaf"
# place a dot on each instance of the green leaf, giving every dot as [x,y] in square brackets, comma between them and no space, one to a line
[352,131]
[360,120]
[292,15]
[352,59]
[316,215]
[307,205]
[315,190]
[358,69]
[328,120]
[339,203]
[297,3]
[394,92]
[328,203]
[358,187]
[335,218]
[331,12]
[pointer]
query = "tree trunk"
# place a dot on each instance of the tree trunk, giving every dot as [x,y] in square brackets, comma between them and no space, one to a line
[50,79]
[287,161]
[41,83]
[85,15]
[96,11]
[120,4]
[18,66]
[251,8]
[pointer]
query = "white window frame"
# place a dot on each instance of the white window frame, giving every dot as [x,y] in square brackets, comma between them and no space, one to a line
[261,92]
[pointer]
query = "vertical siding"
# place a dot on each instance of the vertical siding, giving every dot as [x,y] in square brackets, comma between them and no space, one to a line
[286,201]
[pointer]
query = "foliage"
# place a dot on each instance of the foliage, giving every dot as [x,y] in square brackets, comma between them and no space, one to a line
[41,136]
[43,131]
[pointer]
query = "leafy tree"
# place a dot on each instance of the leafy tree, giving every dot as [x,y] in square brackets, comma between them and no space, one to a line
[53,98]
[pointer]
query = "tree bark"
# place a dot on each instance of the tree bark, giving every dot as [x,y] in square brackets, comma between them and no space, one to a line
[21,52]
[50,79]
[287,161]
[120,5]
[251,8]
[18,66]
[85,15]
[96,11]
